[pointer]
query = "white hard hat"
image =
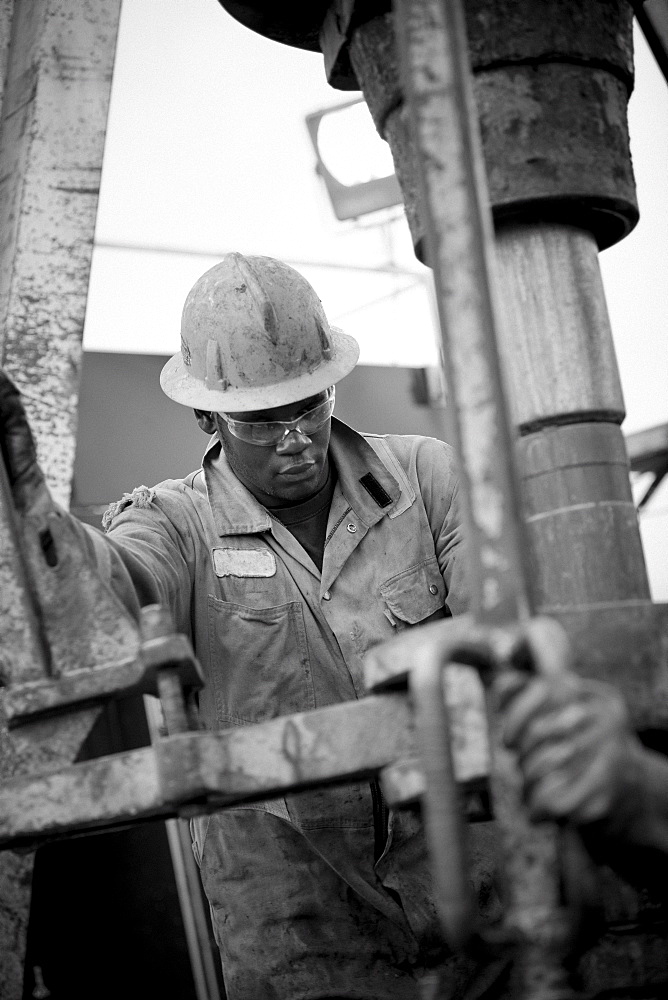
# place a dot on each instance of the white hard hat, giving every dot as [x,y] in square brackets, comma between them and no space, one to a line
[254,335]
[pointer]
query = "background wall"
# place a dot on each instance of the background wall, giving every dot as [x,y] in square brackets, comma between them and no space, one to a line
[131,434]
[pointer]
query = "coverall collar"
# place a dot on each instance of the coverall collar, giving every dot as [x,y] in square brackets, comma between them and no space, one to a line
[236,511]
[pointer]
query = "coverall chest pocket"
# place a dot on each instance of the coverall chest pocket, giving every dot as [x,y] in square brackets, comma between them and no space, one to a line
[415,595]
[259,659]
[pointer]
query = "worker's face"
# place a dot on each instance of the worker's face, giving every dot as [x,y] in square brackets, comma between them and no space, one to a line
[286,472]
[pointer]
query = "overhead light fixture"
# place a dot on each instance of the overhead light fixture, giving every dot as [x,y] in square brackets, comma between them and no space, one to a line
[354,162]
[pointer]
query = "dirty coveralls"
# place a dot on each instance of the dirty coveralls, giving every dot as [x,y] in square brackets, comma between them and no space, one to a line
[312,895]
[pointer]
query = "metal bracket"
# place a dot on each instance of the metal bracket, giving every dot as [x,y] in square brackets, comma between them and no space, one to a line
[140,674]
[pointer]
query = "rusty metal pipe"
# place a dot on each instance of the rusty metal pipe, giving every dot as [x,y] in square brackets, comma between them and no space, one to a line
[433,54]
[458,229]
[444,824]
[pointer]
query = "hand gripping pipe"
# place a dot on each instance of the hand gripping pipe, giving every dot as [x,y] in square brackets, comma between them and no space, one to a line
[539,927]
[433,52]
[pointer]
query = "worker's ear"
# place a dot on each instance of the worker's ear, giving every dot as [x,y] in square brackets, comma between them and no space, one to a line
[205,421]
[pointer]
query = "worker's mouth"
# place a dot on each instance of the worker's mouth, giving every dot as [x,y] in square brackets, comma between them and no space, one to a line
[298,470]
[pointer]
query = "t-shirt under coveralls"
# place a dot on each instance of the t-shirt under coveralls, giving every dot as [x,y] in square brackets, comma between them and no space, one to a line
[306,901]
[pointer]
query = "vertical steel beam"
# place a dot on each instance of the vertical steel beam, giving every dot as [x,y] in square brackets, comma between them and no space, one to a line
[432,43]
[51,144]
[58,62]
[459,238]
[567,405]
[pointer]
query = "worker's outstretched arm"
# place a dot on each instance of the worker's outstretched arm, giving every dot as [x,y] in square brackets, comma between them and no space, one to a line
[583,764]
[143,567]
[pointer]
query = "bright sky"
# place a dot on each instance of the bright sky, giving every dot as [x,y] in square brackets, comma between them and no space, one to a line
[207,151]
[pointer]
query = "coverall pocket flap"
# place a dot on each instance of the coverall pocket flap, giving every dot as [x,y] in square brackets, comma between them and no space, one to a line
[416,593]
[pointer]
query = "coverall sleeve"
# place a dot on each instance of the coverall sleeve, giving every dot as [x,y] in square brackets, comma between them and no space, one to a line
[145,557]
[441,493]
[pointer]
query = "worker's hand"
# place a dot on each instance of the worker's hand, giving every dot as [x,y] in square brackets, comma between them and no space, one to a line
[19,454]
[578,755]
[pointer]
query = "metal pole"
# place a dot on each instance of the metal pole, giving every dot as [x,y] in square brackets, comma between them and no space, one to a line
[57,60]
[459,241]
[457,223]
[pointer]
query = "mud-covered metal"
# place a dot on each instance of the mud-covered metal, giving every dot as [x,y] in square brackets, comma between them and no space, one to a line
[458,233]
[189,772]
[441,808]
[459,237]
[93,643]
[56,60]
[538,926]
[170,667]
[135,674]
[200,771]
[95,649]
[54,117]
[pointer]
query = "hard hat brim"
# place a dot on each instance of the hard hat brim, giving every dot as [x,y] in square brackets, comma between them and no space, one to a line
[177,382]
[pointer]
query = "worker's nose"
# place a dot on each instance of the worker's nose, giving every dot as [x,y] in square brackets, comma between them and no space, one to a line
[293,442]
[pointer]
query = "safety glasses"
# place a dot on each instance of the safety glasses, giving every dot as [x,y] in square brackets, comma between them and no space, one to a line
[269,433]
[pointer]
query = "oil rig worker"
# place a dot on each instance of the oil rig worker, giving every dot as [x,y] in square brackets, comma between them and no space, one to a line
[583,764]
[299,545]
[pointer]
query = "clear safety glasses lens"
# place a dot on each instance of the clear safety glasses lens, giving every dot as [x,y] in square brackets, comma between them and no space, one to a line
[272,432]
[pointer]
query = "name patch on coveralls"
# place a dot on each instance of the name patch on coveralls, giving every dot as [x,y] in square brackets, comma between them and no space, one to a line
[244,562]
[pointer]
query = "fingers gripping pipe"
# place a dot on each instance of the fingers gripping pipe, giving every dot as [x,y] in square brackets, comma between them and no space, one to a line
[539,925]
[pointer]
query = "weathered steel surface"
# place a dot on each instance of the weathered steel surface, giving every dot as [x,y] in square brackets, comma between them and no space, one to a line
[169,656]
[584,554]
[201,771]
[557,147]
[573,464]
[51,144]
[103,658]
[556,344]
[566,400]
[577,498]
[6,14]
[625,644]
[344,741]
[536,917]
[441,809]
[551,85]
[460,251]
[102,792]
[93,643]
[513,31]
[372,51]
[85,623]
[435,71]
[170,649]
[54,111]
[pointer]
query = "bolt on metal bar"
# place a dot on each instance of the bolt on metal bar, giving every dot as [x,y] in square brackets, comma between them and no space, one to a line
[434,61]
